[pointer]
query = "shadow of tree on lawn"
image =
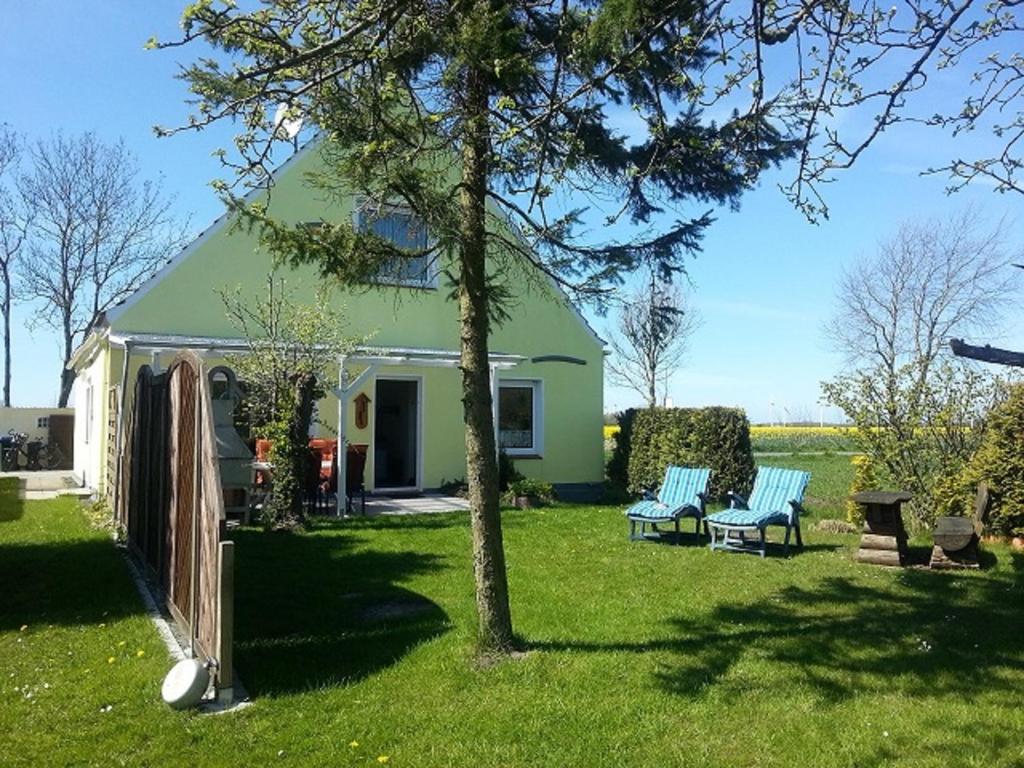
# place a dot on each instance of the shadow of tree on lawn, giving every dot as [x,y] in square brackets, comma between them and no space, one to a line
[64,582]
[933,633]
[311,611]
[11,505]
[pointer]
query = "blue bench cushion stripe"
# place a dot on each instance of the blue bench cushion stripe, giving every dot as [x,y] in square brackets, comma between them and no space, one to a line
[678,494]
[682,484]
[769,503]
[653,510]
[775,487]
[753,518]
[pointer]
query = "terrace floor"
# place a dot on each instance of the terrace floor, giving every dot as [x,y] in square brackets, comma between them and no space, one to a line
[426,503]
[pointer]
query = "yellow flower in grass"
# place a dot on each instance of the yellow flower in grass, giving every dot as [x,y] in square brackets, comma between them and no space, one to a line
[353,744]
[140,653]
[122,644]
[111,660]
[382,758]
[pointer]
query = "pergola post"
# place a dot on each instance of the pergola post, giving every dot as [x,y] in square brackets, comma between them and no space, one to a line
[344,392]
[340,452]
[494,406]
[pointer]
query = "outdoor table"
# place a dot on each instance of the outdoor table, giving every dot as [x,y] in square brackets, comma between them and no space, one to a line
[884,540]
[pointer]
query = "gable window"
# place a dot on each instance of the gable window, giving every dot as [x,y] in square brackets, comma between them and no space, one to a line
[521,418]
[405,230]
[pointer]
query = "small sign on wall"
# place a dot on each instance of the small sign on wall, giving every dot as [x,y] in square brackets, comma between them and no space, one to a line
[362,403]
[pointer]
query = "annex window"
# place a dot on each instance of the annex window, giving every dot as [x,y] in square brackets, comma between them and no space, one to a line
[406,231]
[520,418]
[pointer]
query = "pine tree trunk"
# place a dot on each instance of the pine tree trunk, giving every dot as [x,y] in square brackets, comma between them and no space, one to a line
[495,619]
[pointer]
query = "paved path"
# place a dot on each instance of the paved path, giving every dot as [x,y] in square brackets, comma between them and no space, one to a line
[428,503]
[47,484]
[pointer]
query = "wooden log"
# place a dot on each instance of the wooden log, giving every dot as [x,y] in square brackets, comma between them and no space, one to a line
[953,533]
[879,557]
[965,558]
[879,529]
[874,541]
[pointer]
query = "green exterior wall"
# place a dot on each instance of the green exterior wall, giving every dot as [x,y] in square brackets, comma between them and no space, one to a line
[184,301]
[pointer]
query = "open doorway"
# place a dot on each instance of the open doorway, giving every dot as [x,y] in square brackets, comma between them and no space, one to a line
[396,435]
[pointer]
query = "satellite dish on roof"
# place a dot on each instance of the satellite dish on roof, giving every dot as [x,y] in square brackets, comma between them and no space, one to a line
[285,126]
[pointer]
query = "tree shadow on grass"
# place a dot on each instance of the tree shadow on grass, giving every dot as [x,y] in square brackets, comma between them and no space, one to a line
[931,634]
[311,612]
[435,521]
[11,505]
[64,582]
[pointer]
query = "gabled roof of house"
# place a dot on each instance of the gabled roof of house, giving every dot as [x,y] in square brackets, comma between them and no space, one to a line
[115,312]
[216,226]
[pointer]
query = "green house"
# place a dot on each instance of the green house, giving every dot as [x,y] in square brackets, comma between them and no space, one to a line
[546,361]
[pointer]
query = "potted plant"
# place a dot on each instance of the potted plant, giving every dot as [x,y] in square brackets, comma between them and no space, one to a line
[527,493]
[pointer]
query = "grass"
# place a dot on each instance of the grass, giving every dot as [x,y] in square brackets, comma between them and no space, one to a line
[639,654]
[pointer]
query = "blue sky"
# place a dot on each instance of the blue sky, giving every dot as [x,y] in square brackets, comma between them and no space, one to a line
[763,285]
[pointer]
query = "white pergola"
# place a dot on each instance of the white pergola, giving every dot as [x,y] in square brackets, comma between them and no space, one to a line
[368,359]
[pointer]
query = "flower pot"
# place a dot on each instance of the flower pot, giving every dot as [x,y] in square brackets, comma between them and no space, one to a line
[527,502]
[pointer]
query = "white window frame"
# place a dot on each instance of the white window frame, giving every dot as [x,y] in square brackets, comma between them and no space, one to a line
[537,386]
[433,271]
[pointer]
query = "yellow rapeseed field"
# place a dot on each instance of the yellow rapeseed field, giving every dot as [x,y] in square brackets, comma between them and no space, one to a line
[790,438]
[793,430]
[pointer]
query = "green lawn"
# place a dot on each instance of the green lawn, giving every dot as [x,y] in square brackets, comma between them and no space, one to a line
[640,654]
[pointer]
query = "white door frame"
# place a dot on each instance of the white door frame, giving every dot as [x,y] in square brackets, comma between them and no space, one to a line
[418,378]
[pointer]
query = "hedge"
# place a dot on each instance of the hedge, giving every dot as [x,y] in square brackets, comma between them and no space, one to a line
[999,461]
[650,440]
[618,465]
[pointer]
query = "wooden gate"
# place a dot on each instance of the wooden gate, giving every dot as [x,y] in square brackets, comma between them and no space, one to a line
[61,428]
[171,507]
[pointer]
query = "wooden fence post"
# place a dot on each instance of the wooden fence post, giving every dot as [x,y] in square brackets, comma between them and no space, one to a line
[225,621]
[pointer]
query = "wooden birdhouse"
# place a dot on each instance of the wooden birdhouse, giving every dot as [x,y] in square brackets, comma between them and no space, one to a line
[362,403]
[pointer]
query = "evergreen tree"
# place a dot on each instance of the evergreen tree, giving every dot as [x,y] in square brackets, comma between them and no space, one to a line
[483,117]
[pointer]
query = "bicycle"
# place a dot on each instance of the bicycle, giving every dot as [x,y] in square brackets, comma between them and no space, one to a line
[38,455]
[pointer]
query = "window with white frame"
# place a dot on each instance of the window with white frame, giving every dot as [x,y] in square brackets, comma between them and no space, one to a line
[406,231]
[521,417]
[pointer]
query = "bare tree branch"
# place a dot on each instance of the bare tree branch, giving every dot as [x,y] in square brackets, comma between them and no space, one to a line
[651,337]
[97,233]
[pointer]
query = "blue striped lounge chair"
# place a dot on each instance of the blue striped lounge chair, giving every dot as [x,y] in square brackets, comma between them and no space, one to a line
[775,500]
[682,494]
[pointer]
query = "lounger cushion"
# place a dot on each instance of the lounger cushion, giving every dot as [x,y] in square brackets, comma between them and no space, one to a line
[753,518]
[655,510]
